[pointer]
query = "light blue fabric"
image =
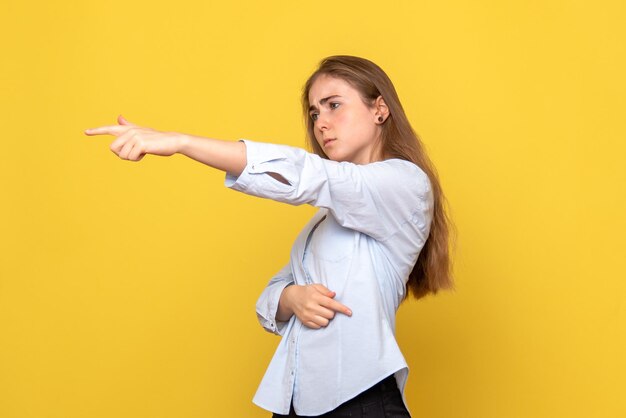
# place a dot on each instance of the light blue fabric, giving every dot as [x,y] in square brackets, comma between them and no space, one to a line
[372,224]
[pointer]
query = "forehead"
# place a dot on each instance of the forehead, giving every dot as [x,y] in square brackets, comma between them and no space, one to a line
[326,85]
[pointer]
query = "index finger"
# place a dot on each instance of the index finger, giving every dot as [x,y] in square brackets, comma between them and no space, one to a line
[337,307]
[107,130]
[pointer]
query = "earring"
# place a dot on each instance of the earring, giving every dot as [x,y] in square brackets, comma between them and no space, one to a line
[380,118]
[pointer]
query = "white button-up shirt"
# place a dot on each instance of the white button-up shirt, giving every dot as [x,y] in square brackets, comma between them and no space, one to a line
[362,244]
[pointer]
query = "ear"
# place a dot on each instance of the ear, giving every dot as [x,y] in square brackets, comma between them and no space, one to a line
[380,109]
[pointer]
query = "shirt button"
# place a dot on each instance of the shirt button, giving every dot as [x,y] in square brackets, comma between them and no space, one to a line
[252,166]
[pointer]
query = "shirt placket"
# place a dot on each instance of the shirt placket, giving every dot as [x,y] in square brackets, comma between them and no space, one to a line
[293,339]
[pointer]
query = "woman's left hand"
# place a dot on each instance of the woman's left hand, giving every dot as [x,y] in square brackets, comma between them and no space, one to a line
[134,142]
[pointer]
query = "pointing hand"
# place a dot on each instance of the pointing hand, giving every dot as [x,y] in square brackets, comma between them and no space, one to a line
[133,142]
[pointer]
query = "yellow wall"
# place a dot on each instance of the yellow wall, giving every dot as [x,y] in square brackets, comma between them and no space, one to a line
[128,289]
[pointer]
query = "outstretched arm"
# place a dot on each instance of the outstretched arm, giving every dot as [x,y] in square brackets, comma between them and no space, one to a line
[133,142]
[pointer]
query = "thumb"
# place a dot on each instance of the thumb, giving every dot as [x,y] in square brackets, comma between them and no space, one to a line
[122,121]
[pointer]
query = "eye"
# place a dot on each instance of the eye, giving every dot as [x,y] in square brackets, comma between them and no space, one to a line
[334,103]
[314,116]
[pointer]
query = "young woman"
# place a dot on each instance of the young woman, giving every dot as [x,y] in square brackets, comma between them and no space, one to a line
[380,233]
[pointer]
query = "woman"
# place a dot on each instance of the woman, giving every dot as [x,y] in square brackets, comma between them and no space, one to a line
[381,232]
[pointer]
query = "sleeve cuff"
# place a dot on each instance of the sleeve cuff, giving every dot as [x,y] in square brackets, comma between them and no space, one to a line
[267,316]
[260,158]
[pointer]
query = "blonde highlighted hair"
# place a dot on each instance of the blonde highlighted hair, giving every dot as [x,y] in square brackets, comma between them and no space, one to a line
[433,270]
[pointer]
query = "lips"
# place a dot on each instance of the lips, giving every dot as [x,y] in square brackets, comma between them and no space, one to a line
[327,140]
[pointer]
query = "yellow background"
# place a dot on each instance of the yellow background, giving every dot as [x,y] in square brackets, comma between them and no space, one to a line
[128,289]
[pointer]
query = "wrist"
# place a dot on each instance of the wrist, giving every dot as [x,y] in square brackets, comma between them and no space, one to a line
[285,297]
[285,311]
[182,143]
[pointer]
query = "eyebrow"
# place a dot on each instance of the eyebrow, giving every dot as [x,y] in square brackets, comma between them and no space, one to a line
[324,100]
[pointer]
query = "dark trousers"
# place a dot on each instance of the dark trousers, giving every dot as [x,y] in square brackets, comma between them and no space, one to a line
[383,400]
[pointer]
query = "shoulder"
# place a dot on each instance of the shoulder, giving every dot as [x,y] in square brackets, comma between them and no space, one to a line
[401,173]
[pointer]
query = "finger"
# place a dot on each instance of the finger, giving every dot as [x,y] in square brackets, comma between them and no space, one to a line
[123,121]
[117,145]
[325,312]
[120,141]
[107,130]
[337,307]
[311,324]
[318,311]
[324,290]
[323,322]
[137,150]
[320,321]
[127,149]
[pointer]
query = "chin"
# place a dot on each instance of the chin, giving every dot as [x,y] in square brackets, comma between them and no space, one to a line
[333,156]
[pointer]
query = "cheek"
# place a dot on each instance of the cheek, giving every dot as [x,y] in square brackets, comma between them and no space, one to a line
[357,117]
[350,121]
[358,124]
[342,118]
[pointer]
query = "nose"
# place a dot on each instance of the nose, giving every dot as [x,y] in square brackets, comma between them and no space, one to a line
[322,122]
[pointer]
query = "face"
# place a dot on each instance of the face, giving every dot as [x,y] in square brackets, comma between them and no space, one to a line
[344,127]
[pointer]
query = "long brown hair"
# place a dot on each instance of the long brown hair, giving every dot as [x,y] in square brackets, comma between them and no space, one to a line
[433,269]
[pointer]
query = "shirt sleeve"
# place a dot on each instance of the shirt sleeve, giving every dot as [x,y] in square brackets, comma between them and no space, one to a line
[377,199]
[267,304]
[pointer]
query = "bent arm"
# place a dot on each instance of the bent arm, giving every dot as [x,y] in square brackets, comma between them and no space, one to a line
[267,306]
[313,304]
